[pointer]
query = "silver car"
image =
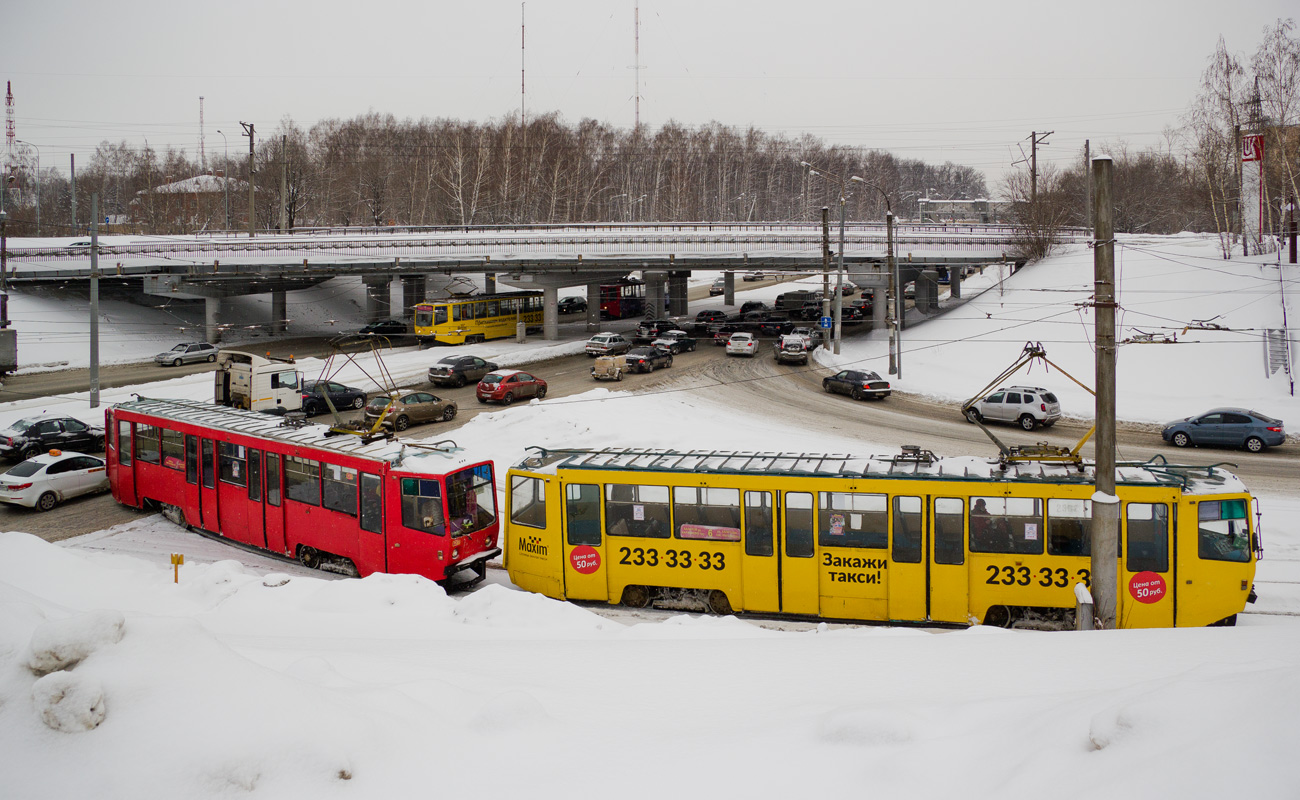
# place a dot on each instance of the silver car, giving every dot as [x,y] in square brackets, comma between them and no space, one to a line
[188,353]
[1026,406]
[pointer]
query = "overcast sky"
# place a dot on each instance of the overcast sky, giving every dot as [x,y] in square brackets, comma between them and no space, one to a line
[938,81]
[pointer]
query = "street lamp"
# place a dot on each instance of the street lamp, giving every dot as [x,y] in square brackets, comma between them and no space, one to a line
[38,183]
[895,332]
[839,277]
[225,179]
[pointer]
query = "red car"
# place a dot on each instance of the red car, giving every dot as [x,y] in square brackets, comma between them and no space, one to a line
[508,385]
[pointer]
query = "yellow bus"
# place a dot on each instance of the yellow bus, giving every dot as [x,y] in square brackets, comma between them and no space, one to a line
[477,318]
[906,538]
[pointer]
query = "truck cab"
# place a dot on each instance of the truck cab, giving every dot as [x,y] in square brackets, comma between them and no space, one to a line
[254,383]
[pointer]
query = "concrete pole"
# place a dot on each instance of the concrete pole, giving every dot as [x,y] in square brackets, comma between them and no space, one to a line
[1290,225]
[897,368]
[593,307]
[94,300]
[284,184]
[1105,515]
[839,277]
[550,313]
[826,273]
[252,196]
[72,173]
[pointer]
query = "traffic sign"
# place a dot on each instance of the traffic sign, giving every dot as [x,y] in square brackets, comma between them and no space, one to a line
[826,322]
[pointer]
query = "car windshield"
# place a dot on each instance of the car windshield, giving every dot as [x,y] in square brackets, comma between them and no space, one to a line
[26,469]
[492,379]
[450,361]
[181,347]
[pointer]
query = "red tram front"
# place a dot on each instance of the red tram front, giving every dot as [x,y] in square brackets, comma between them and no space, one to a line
[304,492]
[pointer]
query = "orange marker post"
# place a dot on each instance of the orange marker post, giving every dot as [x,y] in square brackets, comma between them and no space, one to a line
[177,560]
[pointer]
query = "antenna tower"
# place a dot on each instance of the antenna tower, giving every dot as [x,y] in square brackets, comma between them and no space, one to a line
[10,133]
[203,161]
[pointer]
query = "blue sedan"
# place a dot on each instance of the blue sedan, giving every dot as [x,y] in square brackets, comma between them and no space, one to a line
[1227,427]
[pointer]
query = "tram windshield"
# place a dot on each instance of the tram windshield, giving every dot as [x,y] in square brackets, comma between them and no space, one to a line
[471,500]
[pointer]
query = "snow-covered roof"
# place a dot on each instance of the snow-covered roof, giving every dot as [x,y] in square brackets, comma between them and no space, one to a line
[201,184]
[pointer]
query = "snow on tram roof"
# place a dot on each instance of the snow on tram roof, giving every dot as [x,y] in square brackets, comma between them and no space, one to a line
[912,463]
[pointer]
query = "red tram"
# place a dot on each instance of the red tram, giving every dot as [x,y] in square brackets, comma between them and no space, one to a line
[623,299]
[303,492]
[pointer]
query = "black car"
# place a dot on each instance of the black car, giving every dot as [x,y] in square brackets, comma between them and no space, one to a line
[652,329]
[857,384]
[571,305]
[27,437]
[460,370]
[775,325]
[754,305]
[314,392]
[648,359]
[386,327]
[723,332]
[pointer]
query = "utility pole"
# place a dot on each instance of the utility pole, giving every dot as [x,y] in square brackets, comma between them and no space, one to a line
[826,273]
[72,172]
[252,207]
[1290,224]
[1035,139]
[94,302]
[1105,506]
[1087,180]
[897,368]
[284,184]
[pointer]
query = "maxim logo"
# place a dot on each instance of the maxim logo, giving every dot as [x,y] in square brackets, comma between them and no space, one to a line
[532,544]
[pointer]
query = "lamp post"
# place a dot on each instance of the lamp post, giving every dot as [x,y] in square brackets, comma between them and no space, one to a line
[839,276]
[225,178]
[38,183]
[896,331]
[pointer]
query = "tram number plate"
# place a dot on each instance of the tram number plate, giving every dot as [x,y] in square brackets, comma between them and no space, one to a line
[1045,576]
[683,559]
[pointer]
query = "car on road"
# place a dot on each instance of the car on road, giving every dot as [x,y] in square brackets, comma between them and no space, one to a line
[409,408]
[705,320]
[676,342]
[1227,427]
[315,392]
[719,286]
[805,335]
[847,288]
[571,305]
[187,353]
[753,305]
[652,329]
[775,324]
[31,435]
[386,327]
[722,334]
[508,385]
[791,350]
[742,344]
[754,275]
[857,384]
[648,358]
[45,480]
[1026,406]
[459,370]
[609,368]
[607,344]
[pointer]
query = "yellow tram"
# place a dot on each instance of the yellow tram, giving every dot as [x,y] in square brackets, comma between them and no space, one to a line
[909,538]
[477,318]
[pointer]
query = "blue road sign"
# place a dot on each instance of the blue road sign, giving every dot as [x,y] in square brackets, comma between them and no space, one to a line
[826,322]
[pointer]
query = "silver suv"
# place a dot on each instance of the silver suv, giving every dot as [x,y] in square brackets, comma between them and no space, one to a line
[1027,406]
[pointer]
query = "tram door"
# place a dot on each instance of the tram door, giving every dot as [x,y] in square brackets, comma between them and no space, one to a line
[583,541]
[125,472]
[193,501]
[761,576]
[949,585]
[798,540]
[256,528]
[907,579]
[208,485]
[273,508]
[1146,577]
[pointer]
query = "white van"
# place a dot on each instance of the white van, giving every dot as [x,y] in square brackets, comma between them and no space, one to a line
[251,382]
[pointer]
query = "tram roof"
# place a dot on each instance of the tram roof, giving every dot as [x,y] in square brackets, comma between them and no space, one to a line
[473,298]
[911,463]
[309,434]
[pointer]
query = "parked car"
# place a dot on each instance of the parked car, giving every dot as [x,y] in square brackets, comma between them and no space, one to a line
[865,303]
[386,327]
[1027,406]
[409,407]
[676,342]
[314,392]
[187,353]
[791,350]
[742,344]
[31,435]
[718,287]
[571,305]
[607,344]
[45,480]
[459,370]
[857,384]
[1227,427]
[755,275]
[508,385]
[609,368]
[648,358]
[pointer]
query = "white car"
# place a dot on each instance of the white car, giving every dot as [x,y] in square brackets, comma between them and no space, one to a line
[48,479]
[742,344]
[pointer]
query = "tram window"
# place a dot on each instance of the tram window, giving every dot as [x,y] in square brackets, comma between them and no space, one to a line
[949,530]
[480,310]
[1006,525]
[191,459]
[1069,527]
[471,500]
[273,479]
[758,523]
[1222,531]
[173,449]
[372,512]
[302,480]
[636,510]
[799,524]
[439,315]
[339,488]
[457,313]
[1147,531]
[231,463]
[493,308]
[848,519]
[582,513]
[908,521]
[528,501]
[255,475]
[146,444]
[123,442]
[206,473]
[422,506]
[702,512]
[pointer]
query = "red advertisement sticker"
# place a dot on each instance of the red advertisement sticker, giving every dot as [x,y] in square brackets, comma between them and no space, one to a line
[1146,587]
[584,559]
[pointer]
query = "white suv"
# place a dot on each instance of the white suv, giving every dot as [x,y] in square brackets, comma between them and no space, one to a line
[1027,406]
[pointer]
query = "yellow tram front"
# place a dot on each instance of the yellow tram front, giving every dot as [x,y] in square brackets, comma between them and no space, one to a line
[901,539]
[477,318]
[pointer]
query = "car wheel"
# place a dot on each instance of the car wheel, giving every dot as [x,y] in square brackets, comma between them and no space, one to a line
[401,423]
[449,414]
[669,362]
[1027,422]
[856,394]
[508,399]
[541,392]
[358,402]
[47,501]
[1181,439]
[1255,444]
[29,451]
[176,362]
[483,400]
[460,381]
[826,385]
[618,375]
[212,357]
[97,446]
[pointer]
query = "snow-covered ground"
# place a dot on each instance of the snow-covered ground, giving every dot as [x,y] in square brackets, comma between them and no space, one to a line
[117,682]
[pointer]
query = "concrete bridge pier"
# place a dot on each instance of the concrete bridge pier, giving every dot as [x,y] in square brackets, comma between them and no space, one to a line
[378,301]
[279,312]
[413,287]
[550,312]
[954,282]
[489,283]
[593,307]
[212,319]
[729,288]
[654,294]
[677,301]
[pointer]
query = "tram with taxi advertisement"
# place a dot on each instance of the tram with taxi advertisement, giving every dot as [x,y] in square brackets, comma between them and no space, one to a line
[477,318]
[902,538]
[351,504]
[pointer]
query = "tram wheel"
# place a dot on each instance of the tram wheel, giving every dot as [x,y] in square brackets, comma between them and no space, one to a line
[173,514]
[998,617]
[636,596]
[718,603]
[309,557]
